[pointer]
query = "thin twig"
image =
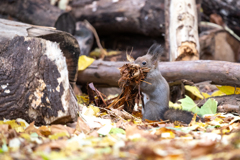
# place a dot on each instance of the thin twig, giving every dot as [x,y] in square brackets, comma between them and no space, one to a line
[90,27]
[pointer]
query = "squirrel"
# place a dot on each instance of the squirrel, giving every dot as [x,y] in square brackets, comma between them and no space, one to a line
[156,91]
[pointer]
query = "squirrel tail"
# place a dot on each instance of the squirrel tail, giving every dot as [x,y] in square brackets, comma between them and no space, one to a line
[180,115]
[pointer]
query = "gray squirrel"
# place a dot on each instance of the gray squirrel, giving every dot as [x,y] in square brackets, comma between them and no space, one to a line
[156,91]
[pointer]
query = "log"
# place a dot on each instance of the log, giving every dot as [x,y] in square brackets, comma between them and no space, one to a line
[34,82]
[226,104]
[228,10]
[106,74]
[218,44]
[138,16]
[38,13]
[182,30]
[68,43]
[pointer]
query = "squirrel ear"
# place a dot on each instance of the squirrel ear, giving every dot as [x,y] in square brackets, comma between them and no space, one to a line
[155,51]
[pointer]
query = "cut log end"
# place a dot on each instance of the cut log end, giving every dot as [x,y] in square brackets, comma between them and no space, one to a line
[34,82]
[187,52]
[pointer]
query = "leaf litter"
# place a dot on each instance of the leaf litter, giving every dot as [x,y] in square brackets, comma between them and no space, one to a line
[106,130]
[132,75]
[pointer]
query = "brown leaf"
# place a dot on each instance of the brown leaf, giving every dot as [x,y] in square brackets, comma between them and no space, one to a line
[60,129]
[82,126]
[44,130]
[4,128]
[203,148]
[31,129]
[133,131]
[53,145]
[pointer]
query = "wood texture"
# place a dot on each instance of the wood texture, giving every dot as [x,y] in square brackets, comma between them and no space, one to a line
[182,29]
[218,44]
[136,16]
[67,42]
[31,11]
[34,82]
[38,13]
[228,10]
[219,72]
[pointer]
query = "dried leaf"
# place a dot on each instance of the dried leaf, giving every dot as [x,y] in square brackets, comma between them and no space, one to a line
[82,126]
[130,58]
[84,62]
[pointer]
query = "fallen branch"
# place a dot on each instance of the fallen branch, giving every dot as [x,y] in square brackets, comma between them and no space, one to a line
[104,73]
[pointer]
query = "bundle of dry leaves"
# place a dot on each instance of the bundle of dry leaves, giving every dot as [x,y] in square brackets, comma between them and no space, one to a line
[131,77]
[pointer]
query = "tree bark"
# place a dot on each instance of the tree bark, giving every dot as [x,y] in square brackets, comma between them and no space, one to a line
[141,16]
[34,82]
[228,10]
[219,72]
[222,100]
[218,44]
[182,29]
[67,42]
[38,13]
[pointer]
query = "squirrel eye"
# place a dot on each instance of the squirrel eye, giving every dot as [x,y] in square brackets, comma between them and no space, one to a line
[144,63]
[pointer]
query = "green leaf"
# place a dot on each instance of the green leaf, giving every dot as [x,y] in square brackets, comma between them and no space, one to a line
[34,135]
[4,147]
[189,105]
[117,130]
[210,107]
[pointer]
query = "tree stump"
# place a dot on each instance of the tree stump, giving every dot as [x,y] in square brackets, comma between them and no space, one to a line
[36,65]
[68,44]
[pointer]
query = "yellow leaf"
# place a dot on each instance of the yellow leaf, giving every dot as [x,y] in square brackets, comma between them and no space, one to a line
[205,95]
[84,62]
[217,93]
[95,53]
[111,53]
[95,109]
[18,127]
[224,131]
[58,135]
[228,90]
[175,105]
[130,58]
[83,99]
[194,90]
[25,136]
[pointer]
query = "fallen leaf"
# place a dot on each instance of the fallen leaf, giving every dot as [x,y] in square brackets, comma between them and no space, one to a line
[105,129]
[84,62]
[82,126]
[189,105]
[209,107]
[194,90]
[228,90]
